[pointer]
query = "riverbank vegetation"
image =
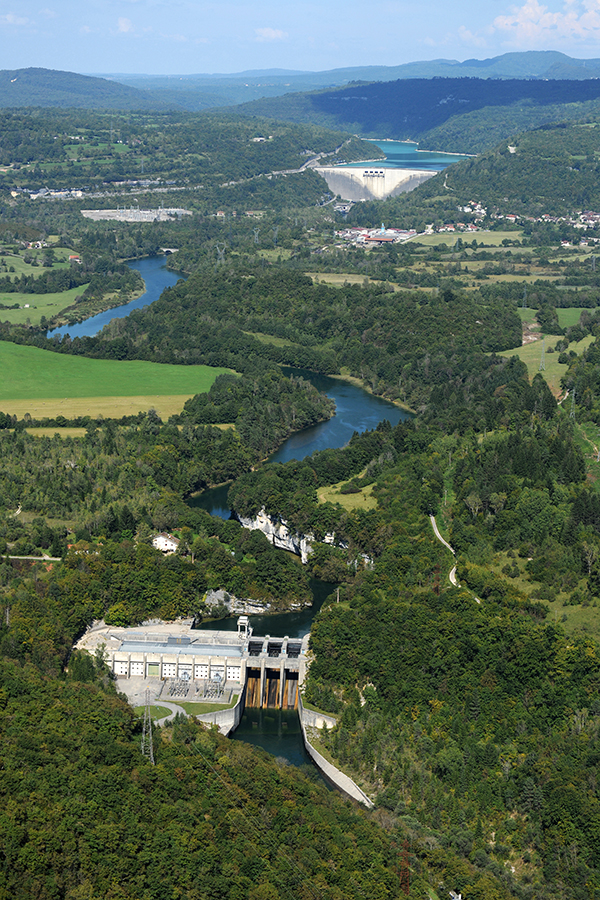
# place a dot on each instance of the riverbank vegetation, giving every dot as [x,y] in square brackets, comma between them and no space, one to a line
[469,714]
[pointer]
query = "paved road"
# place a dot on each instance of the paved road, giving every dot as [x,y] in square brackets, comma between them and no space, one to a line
[172,706]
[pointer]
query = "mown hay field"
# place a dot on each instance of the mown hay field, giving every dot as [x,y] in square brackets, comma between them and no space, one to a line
[531,354]
[46,384]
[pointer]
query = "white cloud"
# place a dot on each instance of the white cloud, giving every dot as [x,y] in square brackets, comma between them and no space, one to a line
[48,13]
[11,19]
[178,38]
[124,26]
[471,37]
[533,24]
[269,34]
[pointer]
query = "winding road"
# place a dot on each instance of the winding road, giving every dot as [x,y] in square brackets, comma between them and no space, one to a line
[452,573]
[173,707]
[436,531]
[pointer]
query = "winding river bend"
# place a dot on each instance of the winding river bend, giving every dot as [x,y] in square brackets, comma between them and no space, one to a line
[277,731]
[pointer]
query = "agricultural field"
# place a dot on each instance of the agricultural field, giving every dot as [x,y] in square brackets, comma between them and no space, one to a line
[62,432]
[34,306]
[484,238]
[569,317]
[46,384]
[531,355]
[30,262]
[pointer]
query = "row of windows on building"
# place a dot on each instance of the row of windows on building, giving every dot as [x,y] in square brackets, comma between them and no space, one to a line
[133,669]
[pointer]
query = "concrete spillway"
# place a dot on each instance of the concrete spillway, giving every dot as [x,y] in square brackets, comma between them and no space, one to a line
[372,182]
[269,688]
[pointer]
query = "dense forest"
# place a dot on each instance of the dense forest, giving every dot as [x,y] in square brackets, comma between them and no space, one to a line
[45,147]
[401,344]
[415,108]
[468,712]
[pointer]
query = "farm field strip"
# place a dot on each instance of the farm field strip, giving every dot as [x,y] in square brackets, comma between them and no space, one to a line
[110,407]
[29,373]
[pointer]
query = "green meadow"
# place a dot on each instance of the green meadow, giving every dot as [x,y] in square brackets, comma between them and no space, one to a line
[39,381]
[569,317]
[531,354]
[47,305]
[486,238]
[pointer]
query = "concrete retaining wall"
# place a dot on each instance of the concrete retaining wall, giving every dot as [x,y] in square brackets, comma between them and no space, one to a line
[227,719]
[337,778]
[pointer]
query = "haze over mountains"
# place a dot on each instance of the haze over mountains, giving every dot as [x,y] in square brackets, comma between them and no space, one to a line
[49,87]
[446,105]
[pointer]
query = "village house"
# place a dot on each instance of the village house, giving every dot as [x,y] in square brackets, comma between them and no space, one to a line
[168,543]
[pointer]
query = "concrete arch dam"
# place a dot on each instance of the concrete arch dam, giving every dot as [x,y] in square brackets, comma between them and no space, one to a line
[372,182]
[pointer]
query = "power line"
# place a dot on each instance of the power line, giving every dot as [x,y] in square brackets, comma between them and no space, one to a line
[220,254]
[147,745]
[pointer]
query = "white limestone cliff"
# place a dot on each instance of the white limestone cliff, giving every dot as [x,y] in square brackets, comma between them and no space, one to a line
[279,534]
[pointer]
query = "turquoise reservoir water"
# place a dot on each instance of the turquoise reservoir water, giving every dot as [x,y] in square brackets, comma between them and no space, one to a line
[406,155]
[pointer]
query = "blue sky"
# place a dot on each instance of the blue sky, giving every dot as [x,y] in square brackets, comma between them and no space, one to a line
[185,37]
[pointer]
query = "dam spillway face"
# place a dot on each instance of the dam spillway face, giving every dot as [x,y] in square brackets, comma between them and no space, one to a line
[273,683]
[271,689]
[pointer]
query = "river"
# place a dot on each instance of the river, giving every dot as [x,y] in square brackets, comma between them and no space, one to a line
[277,731]
[156,278]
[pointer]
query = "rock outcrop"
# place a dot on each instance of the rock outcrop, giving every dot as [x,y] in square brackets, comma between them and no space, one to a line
[280,535]
[234,605]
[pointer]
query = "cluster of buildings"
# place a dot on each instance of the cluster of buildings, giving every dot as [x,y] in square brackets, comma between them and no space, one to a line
[376,236]
[135,214]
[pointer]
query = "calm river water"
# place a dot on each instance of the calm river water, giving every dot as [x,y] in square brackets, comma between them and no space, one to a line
[275,730]
[156,277]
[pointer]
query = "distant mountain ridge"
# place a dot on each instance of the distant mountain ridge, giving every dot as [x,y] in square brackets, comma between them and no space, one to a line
[204,90]
[410,108]
[50,87]
[287,89]
[53,88]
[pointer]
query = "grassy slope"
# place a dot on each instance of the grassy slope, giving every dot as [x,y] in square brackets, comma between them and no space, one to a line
[39,305]
[531,356]
[361,500]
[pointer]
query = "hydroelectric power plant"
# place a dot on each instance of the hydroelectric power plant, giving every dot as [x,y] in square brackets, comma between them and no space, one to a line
[174,663]
[189,664]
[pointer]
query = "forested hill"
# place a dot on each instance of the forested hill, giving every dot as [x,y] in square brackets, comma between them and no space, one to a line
[551,170]
[49,87]
[411,108]
[400,343]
